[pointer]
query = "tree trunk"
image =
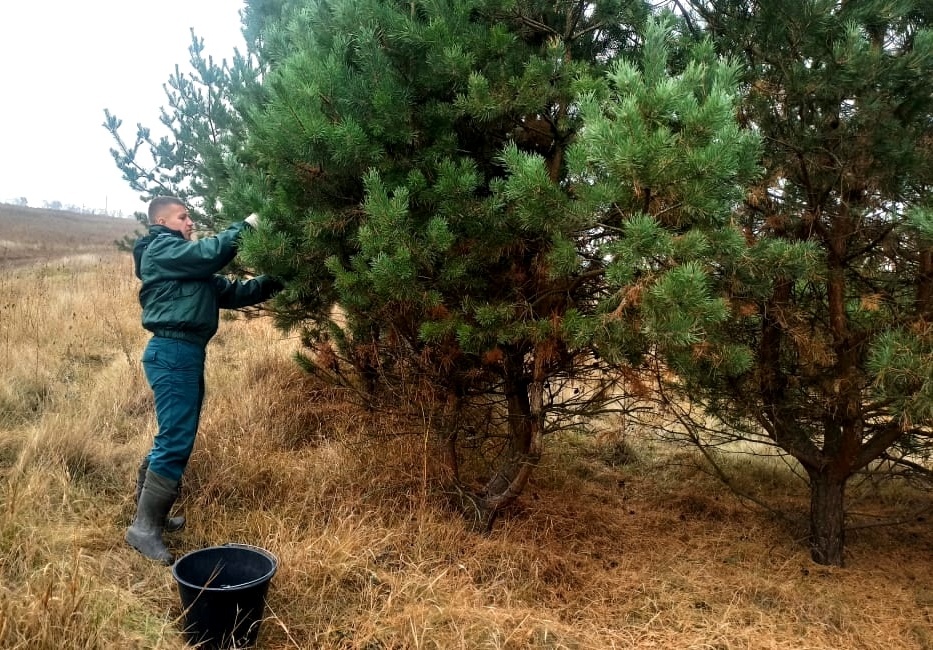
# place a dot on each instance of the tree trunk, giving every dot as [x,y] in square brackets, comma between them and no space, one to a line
[524,401]
[827,518]
[519,459]
[450,461]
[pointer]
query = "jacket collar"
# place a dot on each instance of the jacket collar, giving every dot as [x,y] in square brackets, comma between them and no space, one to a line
[158,229]
[143,242]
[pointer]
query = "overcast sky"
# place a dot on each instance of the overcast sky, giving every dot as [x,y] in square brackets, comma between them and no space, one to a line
[64,61]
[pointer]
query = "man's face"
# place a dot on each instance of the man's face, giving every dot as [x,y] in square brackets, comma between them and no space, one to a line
[176,217]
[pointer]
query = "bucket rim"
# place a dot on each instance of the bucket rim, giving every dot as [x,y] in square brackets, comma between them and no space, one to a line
[245,585]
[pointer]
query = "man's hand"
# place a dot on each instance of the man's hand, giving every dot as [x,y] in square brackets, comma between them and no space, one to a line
[253,220]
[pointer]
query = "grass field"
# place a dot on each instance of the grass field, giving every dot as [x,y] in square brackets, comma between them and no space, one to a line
[30,235]
[641,549]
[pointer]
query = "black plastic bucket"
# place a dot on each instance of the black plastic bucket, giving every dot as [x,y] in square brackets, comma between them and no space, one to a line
[223,593]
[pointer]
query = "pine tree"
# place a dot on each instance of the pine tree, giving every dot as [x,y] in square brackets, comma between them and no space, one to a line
[831,302]
[479,197]
[193,161]
[499,195]
[385,136]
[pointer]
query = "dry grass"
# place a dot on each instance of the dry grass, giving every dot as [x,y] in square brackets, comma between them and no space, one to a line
[605,550]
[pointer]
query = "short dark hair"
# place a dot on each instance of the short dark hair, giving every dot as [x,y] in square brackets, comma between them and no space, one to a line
[157,204]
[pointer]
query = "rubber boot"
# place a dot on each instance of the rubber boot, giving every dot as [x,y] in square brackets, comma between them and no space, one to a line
[155,500]
[172,524]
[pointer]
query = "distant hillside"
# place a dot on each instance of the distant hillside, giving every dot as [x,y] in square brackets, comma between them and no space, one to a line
[29,235]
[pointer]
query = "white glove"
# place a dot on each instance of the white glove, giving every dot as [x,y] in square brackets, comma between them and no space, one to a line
[253,220]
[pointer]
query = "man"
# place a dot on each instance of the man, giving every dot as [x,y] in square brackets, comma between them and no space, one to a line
[181,296]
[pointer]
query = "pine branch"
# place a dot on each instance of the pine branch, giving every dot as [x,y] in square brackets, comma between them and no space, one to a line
[692,435]
[924,472]
[912,518]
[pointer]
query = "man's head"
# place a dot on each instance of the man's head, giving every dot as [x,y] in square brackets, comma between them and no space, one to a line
[172,213]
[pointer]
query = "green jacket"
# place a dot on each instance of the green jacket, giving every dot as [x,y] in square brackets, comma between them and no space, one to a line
[182,295]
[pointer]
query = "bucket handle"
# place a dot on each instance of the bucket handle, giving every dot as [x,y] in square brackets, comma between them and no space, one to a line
[252,547]
[247,546]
